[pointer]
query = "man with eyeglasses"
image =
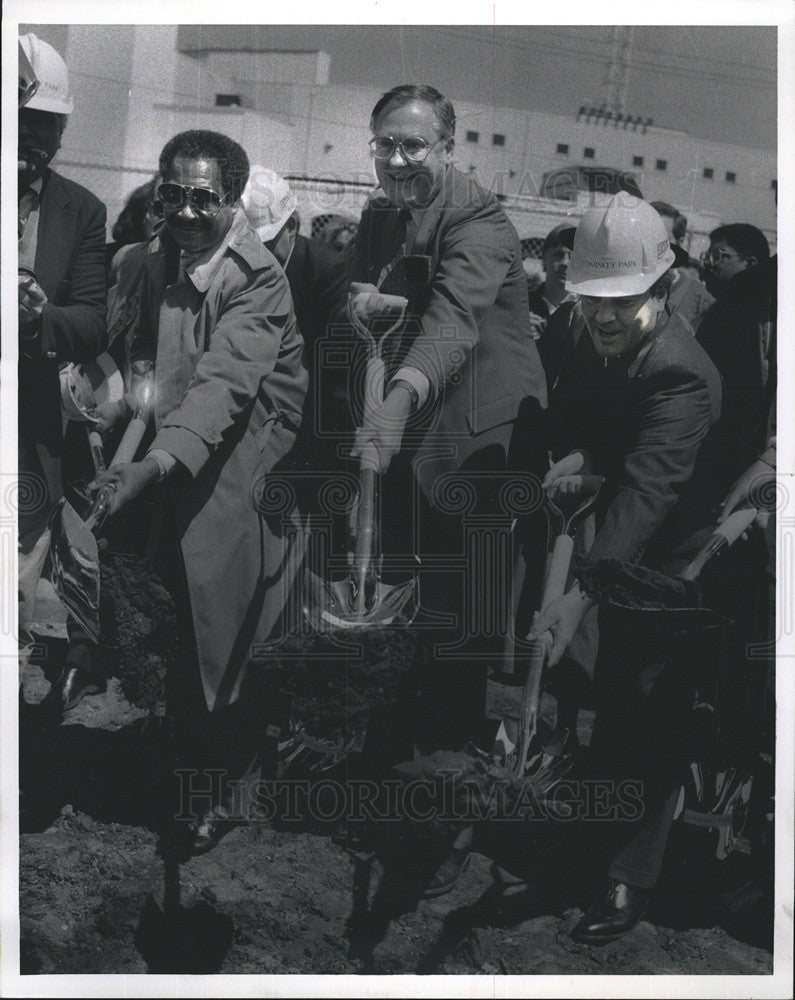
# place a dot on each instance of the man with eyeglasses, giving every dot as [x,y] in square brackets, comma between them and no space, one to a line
[449,426]
[732,249]
[640,416]
[735,333]
[217,320]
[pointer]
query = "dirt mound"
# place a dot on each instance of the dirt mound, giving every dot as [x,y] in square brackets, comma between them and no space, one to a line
[138,626]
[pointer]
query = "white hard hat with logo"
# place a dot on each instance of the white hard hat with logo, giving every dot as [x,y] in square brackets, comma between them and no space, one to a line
[620,248]
[267,202]
[53,93]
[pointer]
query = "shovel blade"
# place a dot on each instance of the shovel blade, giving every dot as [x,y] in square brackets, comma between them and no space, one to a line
[330,605]
[75,567]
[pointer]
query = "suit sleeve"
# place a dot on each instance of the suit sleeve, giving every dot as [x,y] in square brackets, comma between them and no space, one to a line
[674,421]
[75,330]
[243,350]
[473,265]
[331,288]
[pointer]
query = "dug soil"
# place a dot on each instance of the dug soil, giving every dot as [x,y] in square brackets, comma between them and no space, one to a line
[96,895]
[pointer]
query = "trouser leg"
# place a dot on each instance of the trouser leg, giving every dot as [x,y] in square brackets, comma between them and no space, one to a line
[641,739]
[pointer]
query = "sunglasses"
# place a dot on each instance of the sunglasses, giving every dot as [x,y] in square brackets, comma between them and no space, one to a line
[173,197]
[714,256]
[413,149]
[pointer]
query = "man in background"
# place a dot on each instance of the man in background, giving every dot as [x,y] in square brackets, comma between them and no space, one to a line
[688,296]
[61,318]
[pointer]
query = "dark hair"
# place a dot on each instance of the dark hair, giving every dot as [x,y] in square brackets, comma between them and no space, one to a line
[746,240]
[679,227]
[560,236]
[129,227]
[203,144]
[406,92]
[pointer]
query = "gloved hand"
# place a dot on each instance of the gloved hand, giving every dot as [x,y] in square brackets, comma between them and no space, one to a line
[576,462]
[385,427]
[561,617]
[369,304]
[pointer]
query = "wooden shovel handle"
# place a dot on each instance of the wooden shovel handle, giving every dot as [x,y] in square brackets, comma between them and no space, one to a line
[129,443]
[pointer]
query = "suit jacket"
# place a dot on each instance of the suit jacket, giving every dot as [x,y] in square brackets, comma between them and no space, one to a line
[318,278]
[70,267]
[319,286]
[470,333]
[644,418]
[739,334]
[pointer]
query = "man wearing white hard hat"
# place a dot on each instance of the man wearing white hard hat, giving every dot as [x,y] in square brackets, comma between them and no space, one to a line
[635,402]
[318,283]
[62,298]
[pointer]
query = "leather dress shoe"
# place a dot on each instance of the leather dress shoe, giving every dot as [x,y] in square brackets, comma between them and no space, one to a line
[71,687]
[448,872]
[612,915]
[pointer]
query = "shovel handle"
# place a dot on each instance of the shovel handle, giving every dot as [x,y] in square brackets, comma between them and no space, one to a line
[100,507]
[95,444]
[373,387]
[365,528]
[724,536]
[558,571]
[394,302]
[128,445]
[531,693]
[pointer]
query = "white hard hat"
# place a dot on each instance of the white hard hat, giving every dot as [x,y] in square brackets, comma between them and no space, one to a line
[267,201]
[620,249]
[53,92]
[90,384]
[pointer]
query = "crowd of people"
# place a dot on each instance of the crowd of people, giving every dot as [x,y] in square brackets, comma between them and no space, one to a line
[626,362]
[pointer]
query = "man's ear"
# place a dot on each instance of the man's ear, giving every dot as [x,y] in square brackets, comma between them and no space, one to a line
[449,149]
[751,262]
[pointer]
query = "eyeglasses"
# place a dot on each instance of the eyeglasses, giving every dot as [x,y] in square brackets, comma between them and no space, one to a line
[414,149]
[203,200]
[716,256]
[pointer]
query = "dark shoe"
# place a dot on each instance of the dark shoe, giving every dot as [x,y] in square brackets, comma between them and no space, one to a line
[208,830]
[448,872]
[612,915]
[71,687]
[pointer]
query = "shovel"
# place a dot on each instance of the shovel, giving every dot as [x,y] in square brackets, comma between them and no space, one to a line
[362,600]
[574,500]
[73,545]
[646,599]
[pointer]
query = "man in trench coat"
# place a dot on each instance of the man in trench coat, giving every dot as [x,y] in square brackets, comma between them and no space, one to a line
[217,320]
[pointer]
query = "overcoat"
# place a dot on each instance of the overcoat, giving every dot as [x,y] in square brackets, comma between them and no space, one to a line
[229,390]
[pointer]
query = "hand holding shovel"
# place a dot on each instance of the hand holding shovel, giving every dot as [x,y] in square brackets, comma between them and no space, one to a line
[573,500]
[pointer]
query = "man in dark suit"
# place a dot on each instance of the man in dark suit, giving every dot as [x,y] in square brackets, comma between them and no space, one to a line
[318,281]
[447,432]
[642,417]
[61,314]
